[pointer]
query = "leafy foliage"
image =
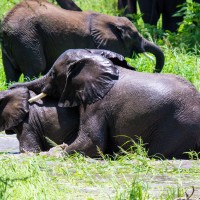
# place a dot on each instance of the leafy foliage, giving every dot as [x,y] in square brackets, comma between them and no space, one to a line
[189,31]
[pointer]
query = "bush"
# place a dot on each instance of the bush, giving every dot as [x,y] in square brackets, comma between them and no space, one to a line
[189,31]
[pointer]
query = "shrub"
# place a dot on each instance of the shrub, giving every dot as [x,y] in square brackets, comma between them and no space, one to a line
[189,31]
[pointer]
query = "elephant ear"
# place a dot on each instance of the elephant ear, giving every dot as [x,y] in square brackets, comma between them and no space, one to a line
[14,105]
[88,80]
[116,58]
[106,33]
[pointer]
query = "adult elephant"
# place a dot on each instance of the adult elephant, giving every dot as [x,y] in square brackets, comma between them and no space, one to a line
[36,125]
[152,9]
[35,34]
[167,9]
[116,104]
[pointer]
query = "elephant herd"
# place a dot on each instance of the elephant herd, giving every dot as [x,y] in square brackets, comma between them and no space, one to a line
[90,98]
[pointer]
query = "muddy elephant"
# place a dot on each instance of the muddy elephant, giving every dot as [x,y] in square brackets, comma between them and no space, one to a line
[38,126]
[33,39]
[116,104]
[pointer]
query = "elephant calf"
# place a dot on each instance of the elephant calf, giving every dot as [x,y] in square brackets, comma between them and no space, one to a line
[34,123]
[35,33]
[117,104]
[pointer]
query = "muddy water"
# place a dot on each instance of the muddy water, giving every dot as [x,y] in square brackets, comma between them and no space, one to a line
[9,144]
[159,184]
[168,183]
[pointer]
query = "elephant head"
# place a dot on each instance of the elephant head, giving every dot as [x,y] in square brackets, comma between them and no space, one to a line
[14,107]
[77,77]
[55,30]
[118,34]
[83,81]
[107,75]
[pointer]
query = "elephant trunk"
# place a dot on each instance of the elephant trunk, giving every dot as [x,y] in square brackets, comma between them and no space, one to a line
[157,52]
[35,85]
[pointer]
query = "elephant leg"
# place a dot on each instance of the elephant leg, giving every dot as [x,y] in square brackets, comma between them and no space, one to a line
[132,6]
[30,58]
[169,21]
[68,5]
[122,4]
[92,135]
[28,142]
[83,144]
[170,139]
[12,74]
[156,10]
[146,10]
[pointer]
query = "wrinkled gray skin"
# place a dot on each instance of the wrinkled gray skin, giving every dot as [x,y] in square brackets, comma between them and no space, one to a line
[65,4]
[33,123]
[117,104]
[36,33]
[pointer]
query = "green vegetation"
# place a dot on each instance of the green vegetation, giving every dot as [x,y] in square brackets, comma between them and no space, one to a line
[128,176]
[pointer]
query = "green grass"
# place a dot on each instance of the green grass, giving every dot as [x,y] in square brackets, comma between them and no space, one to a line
[131,176]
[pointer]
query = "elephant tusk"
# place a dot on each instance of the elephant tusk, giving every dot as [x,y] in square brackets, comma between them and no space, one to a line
[148,56]
[39,96]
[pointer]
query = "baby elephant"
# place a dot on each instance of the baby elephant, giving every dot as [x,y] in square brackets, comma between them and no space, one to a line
[38,124]
[41,31]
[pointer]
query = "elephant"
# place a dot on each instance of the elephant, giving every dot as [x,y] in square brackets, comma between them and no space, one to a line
[38,126]
[35,34]
[167,9]
[152,9]
[130,7]
[117,105]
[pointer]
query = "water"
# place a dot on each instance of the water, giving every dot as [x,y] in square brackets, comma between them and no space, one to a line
[158,183]
[9,144]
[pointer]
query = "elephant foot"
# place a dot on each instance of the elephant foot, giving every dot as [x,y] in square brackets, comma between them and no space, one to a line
[57,151]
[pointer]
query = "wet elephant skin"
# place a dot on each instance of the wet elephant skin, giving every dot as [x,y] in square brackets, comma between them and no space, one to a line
[36,33]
